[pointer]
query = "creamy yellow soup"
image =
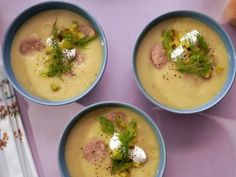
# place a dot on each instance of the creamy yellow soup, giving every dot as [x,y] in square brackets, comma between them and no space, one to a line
[88,127]
[29,69]
[167,85]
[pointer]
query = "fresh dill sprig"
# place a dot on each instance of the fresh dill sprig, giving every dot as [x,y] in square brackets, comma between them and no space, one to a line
[82,42]
[199,62]
[54,30]
[197,59]
[127,134]
[68,38]
[106,125]
[57,65]
[120,158]
[72,37]
[120,166]
[167,40]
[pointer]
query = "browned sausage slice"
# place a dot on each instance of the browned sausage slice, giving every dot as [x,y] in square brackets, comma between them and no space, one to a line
[69,74]
[31,44]
[87,30]
[116,114]
[79,58]
[158,56]
[95,151]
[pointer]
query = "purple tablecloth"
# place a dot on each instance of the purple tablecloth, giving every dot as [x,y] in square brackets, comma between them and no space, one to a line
[199,145]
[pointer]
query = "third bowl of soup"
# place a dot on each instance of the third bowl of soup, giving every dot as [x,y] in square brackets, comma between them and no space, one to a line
[111,139]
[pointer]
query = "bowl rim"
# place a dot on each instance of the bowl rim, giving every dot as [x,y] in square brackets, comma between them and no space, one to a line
[63,137]
[201,17]
[34,10]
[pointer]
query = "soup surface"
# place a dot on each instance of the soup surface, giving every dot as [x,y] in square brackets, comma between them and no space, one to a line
[88,128]
[171,87]
[30,69]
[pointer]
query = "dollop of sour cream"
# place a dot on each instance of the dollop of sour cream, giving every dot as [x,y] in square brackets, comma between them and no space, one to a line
[179,51]
[190,36]
[136,153]
[115,142]
[67,54]
[49,41]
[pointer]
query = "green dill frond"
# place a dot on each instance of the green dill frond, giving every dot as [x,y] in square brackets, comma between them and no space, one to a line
[120,166]
[198,62]
[202,44]
[168,38]
[68,38]
[126,138]
[106,125]
[120,157]
[129,134]
[57,65]
[82,42]
[55,30]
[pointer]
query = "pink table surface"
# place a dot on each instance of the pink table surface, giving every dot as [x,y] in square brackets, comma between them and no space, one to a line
[199,145]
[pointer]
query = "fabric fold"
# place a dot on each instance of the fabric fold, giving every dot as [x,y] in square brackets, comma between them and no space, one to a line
[15,155]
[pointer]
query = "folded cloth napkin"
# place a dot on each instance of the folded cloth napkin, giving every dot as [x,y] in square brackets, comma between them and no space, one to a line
[15,155]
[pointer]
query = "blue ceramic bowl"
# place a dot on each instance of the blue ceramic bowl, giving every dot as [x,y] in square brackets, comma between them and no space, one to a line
[16,24]
[222,34]
[61,149]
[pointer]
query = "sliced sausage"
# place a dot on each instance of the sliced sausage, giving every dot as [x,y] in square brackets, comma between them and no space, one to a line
[95,151]
[79,58]
[87,30]
[69,74]
[158,56]
[116,114]
[31,44]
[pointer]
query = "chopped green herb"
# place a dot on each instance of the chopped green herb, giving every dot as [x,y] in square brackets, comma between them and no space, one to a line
[168,38]
[55,87]
[106,125]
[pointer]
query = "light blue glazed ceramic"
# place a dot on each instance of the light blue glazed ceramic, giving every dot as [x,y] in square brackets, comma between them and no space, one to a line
[9,36]
[61,149]
[227,42]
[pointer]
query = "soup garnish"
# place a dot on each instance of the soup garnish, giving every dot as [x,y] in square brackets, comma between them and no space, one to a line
[112,142]
[62,50]
[125,154]
[106,125]
[189,52]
